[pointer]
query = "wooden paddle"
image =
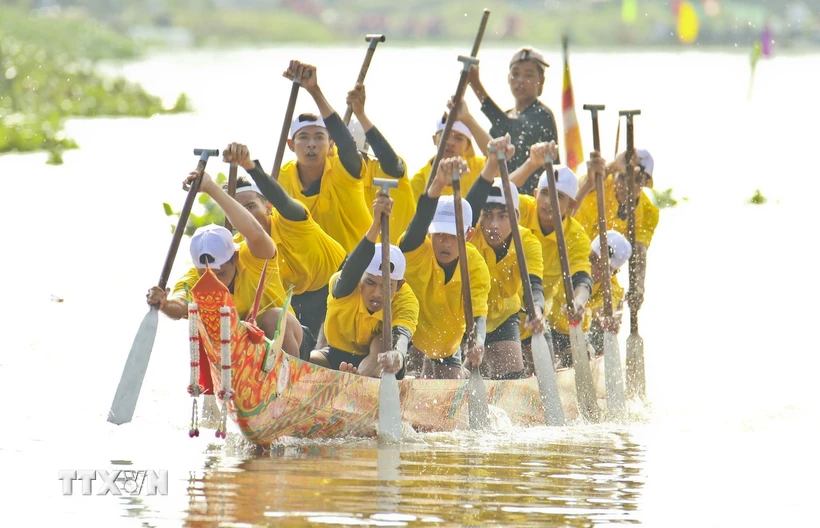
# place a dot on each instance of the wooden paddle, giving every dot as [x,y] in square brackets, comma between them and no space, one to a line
[231,190]
[635,375]
[544,369]
[615,403]
[373,41]
[283,136]
[467,63]
[128,390]
[477,405]
[587,402]
[389,402]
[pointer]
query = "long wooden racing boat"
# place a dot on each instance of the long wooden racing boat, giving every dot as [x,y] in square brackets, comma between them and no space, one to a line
[298,399]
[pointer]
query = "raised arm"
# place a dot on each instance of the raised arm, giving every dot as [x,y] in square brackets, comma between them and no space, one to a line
[480,136]
[346,144]
[391,164]
[426,209]
[259,242]
[537,159]
[289,208]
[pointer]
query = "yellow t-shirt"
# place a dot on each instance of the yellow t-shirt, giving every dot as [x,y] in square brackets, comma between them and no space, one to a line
[646,215]
[339,207]
[350,327]
[558,316]
[404,203]
[506,292]
[578,249]
[441,314]
[248,273]
[475,164]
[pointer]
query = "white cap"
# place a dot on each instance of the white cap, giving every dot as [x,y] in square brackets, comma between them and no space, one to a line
[213,240]
[458,126]
[444,220]
[565,181]
[397,263]
[297,125]
[357,130]
[619,249]
[500,196]
[246,188]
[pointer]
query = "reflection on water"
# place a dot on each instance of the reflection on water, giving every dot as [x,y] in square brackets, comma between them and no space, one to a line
[572,479]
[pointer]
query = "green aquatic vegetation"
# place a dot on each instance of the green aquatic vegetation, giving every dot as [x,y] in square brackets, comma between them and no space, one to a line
[758,198]
[45,77]
[664,199]
[209,212]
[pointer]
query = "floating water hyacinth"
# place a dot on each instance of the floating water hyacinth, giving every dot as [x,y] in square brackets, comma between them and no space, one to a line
[760,48]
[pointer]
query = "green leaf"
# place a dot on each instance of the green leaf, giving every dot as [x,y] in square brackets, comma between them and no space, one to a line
[758,198]
[663,199]
[204,199]
[221,179]
[168,210]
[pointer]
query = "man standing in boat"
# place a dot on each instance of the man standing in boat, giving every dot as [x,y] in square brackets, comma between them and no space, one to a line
[430,246]
[308,256]
[615,205]
[530,121]
[353,326]
[327,174]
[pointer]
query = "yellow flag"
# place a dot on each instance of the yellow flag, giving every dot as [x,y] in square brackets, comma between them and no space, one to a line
[629,11]
[688,25]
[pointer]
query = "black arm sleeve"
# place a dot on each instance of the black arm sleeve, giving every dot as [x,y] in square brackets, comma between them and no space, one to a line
[477,197]
[348,153]
[582,277]
[389,160]
[537,291]
[353,269]
[276,195]
[399,330]
[417,230]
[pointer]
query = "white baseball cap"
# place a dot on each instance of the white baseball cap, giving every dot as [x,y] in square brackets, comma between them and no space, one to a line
[444,220]
[300,122]
[215,241]
[397,263]
[458,126]
[646,161]
[619,249]
[497,194]
[565,181]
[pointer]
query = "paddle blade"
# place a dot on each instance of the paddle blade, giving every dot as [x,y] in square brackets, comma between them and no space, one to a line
[584,388]
[389,409]
[547,383]
[128,390]
[615,402]
[635,376]
[477,406]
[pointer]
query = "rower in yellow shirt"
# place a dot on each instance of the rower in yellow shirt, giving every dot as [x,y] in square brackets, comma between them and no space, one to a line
[459,144]
[430,246]
[536,215]
[619,252]
[493,240]
[353,327]
[615,199]
[327,174]
[307,256]
[240,270]
[386,164]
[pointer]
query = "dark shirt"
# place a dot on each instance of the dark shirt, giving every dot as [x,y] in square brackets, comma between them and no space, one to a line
[535,124]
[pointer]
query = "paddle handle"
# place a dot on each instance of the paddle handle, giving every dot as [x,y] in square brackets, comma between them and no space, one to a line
[462,263]
[559,236]
[232,175]
[630,211]
[529,300]
[283,136]
[183,219]
[373,40]
[602,228]
[387,308]
[457,98]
